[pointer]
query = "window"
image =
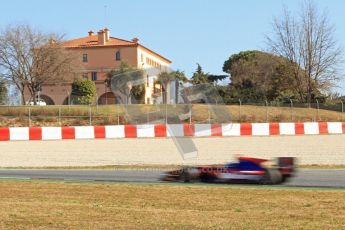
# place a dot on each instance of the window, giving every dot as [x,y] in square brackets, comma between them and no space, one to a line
[142,57]
[85,58]
[118,56]
[85,76]
[147,81]
[94,76]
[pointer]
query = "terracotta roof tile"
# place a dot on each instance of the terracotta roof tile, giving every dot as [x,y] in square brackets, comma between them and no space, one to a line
[92,41]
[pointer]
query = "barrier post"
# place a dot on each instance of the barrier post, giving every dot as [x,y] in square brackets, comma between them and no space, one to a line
[148,117]
[209,116]
[318,109]
[118,116]
[266,110]
[342,110]
[239,110]
[90,119]
[68,99]
[96,102]
[29,117]
[190,114]
[291,109]
[166,110]
[59,119]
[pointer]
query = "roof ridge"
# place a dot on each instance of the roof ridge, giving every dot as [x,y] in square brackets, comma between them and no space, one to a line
[122,39]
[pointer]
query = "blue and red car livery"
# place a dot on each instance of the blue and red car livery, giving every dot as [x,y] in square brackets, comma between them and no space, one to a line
[246,170]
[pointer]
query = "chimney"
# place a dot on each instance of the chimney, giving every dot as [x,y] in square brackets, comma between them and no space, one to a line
[107,34]
[101,37]
[90,33]
[135,40]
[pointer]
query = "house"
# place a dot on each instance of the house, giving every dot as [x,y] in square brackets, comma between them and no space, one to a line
[101,53]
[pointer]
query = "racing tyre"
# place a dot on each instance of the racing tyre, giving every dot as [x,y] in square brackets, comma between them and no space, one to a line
[185,177]
[272,176]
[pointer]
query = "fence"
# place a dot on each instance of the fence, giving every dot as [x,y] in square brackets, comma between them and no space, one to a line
[65,115]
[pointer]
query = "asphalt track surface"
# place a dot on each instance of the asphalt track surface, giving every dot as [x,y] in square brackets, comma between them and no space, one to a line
[327,178]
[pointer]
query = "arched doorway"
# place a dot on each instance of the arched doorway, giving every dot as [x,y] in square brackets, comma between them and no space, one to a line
[66,101]
[48,100]
[107,99]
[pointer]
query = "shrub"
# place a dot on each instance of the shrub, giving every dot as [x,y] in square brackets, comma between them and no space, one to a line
[83,92]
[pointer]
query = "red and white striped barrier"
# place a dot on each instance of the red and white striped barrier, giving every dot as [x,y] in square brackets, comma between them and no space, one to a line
[170,130]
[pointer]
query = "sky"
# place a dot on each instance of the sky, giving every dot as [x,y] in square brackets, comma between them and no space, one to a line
[187,32]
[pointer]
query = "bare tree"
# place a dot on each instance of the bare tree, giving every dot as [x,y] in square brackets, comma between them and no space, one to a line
[30,58]
[307,40]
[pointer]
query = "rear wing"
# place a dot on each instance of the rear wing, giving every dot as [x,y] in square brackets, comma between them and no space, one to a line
[252,159]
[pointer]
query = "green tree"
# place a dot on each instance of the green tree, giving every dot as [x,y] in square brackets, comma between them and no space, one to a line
[166,78]
[200,77]
[258,76]
[83,92]
[138,92]
[180,76]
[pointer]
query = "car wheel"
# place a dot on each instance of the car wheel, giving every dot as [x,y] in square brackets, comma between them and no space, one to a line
[204,177]
[185,177]
[272,176]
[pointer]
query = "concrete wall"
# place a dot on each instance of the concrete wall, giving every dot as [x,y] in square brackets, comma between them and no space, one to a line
[321,149]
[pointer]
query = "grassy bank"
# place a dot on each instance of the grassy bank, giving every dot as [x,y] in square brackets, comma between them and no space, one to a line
[115,114]
[45,205]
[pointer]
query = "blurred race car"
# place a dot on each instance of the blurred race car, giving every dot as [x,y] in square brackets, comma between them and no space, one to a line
[246,170]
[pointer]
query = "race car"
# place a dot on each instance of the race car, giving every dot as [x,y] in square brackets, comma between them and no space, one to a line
[246,170]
